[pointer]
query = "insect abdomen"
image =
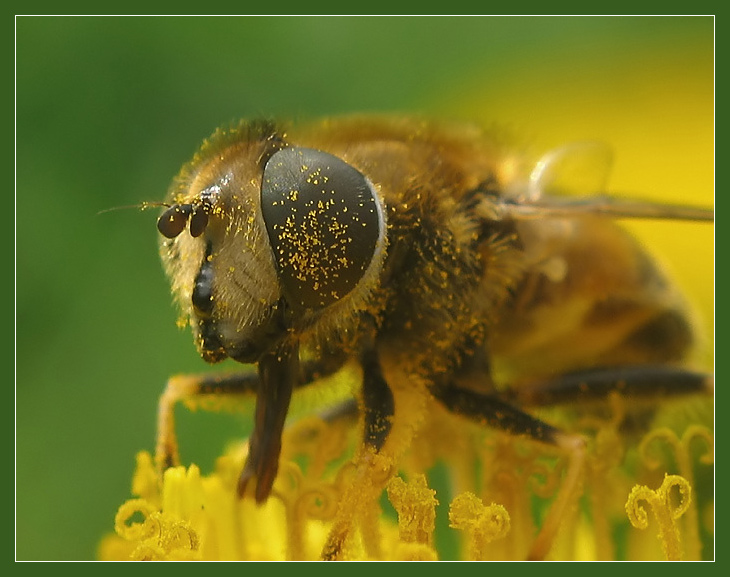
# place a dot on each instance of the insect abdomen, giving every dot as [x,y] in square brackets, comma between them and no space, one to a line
[590,297]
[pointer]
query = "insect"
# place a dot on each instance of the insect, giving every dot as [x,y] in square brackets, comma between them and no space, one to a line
[402,247]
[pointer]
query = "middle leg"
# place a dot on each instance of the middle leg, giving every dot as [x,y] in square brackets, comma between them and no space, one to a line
[494,412]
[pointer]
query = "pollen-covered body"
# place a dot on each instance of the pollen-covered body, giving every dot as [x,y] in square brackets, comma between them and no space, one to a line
[388,244]
[550,295]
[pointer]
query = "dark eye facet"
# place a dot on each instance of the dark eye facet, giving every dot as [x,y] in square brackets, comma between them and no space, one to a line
[172,222]
[324,221]
[198,220]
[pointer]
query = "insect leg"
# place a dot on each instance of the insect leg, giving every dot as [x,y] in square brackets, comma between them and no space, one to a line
[196,389]
[640,382]
[372,471]
[494,412]
[378,403]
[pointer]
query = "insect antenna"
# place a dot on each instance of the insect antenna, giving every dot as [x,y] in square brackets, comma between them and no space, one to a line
[144,205]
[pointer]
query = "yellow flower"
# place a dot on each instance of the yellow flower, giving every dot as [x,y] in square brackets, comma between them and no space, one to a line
[496,496]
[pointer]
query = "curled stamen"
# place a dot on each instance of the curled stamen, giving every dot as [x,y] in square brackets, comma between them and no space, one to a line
[664,510]
[126,527]
[483,524]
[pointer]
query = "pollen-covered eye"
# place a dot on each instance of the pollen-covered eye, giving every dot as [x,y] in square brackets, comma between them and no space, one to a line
[324,222]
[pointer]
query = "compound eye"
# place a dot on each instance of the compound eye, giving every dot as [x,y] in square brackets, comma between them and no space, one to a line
[324,222]
[172,222]
[198,220]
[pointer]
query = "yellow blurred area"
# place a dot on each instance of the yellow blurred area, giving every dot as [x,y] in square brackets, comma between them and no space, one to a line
[654,106]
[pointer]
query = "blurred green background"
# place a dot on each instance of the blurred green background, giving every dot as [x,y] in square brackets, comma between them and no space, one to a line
[109,108]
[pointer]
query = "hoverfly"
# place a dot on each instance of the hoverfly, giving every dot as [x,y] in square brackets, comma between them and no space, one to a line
[401,246]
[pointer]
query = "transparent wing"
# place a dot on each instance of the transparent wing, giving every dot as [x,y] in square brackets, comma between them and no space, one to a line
[579,168]
[571,181]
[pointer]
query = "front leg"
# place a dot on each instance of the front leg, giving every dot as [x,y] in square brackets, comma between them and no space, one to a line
[378,403]
[194,391]
[373,464]
[211,390]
